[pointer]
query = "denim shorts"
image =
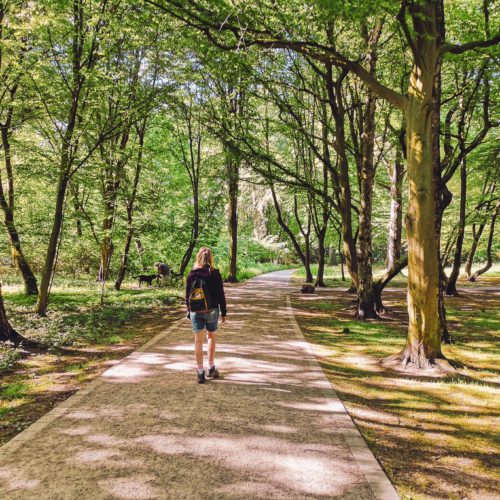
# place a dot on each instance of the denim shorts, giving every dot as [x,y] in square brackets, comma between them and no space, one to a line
[202,320]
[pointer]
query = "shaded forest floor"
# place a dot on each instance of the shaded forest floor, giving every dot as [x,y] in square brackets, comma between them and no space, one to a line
[435,437]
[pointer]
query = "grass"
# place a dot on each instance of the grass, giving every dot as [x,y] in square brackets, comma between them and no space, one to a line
[16,390]
[435,437]
[76,318]
[248,271]
[80,338]
[333,276]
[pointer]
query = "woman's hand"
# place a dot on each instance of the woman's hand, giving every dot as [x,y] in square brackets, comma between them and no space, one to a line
[222,320]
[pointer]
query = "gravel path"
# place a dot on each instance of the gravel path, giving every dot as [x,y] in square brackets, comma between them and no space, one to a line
[272,427]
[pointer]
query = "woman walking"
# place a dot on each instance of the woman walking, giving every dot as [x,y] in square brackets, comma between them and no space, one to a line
[204,297]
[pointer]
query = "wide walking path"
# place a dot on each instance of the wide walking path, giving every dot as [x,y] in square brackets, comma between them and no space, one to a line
[272,427]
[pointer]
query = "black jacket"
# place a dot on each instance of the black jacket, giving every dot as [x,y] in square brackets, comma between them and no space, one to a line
[213,279]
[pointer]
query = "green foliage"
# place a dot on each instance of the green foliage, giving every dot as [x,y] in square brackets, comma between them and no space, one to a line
[77,318]
[8,357]
[16,390]
[200,108]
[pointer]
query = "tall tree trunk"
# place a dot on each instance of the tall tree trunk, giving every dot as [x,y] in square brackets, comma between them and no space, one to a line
[442,194]
[365,289]
[335,100]
[68,150]
[451,286]
[7,205]
[396,213]
[342,258]
[141,131]
[320,277]
[489,258]
[233,181]
[423,345]
[48,269]
[306,234]
[122,271]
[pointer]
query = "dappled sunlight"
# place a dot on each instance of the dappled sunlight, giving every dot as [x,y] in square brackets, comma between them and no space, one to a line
[269,458]
[328,406]
[15,479]
[133,487]
[443,429]
[270,426]
[91,456]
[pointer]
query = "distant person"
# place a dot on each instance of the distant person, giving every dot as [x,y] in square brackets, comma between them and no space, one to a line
[163,269]
[204,297]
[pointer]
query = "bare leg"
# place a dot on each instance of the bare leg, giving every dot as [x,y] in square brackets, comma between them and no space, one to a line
[211,349]
[199,337]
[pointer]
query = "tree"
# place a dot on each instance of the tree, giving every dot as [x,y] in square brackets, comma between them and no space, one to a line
[68,120]
[8,333]
[229,28]
[13,62]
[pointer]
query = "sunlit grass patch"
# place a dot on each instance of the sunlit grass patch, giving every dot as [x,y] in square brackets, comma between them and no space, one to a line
[436,438]
[16,390]
[76,316]
[79,336]
[333,276]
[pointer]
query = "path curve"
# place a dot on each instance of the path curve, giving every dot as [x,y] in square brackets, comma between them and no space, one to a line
[272,427]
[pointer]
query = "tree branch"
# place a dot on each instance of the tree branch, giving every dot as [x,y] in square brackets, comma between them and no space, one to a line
[478,44]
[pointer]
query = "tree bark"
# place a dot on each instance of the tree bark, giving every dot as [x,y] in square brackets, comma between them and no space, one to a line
[451,286]
[7,332]
[423,345]
[335,100]
[233,184]
[320,276]
[48,269]
[68,145]
[141,131]
[306,234]
[489,258]
[365,290]
[396,213]
[385,280]
[7,205]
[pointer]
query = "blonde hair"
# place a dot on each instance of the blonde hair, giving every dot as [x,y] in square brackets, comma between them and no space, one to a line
[204,257]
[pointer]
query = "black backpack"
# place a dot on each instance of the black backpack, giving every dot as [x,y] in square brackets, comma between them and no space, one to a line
[199,296]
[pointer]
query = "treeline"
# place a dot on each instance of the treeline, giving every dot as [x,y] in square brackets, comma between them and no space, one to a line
[135,131]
